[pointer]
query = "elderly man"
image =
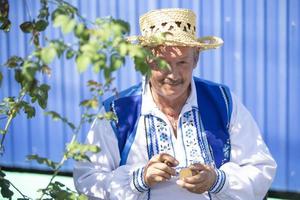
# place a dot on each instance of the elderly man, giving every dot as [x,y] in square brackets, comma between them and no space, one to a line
[176,136]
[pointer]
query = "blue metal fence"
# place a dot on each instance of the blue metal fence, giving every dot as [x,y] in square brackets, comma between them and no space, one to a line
[260,62]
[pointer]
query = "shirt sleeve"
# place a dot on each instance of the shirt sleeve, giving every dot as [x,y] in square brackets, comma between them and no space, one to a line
[103,178]
[251,169]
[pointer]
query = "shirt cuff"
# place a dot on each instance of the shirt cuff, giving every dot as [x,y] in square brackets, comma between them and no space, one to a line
[138,183]
[219,183]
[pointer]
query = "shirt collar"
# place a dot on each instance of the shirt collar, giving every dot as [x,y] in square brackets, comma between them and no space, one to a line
[149,106]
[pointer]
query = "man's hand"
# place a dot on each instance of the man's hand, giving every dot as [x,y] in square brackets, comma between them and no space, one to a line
[159,169]
[202,181]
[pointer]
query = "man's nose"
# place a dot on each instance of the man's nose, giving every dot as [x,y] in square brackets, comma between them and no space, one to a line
[172,71]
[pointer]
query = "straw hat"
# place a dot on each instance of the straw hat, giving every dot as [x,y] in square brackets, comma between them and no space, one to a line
[172,27]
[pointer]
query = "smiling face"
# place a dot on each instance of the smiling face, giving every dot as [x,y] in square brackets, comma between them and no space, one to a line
[173,82]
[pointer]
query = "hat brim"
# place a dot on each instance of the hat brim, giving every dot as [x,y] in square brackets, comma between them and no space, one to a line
[204,43]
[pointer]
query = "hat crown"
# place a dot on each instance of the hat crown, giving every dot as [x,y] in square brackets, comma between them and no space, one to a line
[172,20]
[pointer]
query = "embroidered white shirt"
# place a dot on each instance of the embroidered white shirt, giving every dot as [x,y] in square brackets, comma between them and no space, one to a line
[248,174]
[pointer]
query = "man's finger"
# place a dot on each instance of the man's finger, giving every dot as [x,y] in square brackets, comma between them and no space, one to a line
[185,185]
[195,188]
[199,178]
[160,179]
[168,159]
[165,158]
[198,167]
[165,168]
[158,172]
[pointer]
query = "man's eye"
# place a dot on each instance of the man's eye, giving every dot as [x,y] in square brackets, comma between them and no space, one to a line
[153,64]
[182,62]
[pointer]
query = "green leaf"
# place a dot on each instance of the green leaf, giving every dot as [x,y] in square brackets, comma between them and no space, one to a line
[29,110]
[70,53]
[90,103]
[82,62]
[123,49]
[110,116]
[59,46]
[98,65]
[67,28]
[56,13]
[29,70]
[163,64]
[6,24]
[14,61]
[4,185]
[40,93]
[125,27]
[107,73]
[48,54]
[59,191]
[79,30]
[2,174]
[18,76]
[136,51]
[42,160]
[55,116]
[44,12]
[4,5]
[78,151]
[82,197]
[27,27]
[61,20]
[41,25]
[116,61]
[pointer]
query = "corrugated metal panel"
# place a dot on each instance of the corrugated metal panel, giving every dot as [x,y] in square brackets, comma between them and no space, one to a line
[260,62]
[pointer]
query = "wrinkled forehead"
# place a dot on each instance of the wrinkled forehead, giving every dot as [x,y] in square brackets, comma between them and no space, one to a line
[173,51]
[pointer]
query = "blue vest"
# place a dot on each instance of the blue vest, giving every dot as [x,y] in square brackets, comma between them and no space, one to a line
[214,104]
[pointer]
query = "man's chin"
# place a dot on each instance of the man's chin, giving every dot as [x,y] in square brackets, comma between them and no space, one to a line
[173,90]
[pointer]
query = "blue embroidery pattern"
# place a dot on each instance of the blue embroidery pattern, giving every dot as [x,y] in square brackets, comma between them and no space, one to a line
[190,139]
[194,140]
[226,151]
[158,136]
[138,180]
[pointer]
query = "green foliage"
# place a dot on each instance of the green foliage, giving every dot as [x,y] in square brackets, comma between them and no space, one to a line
[10,106]
[14,61]
[41,25]
[5,23]
[28,109]
[5,185]
[48,54]
[66,23]
[55,116]
[70,53]
[90,103]
[41,160]
[27,27]
[40,94]
[82,62]
[107,116]
[78,151]
[99,45]
[59,191]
